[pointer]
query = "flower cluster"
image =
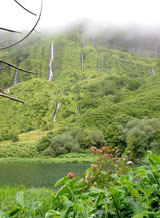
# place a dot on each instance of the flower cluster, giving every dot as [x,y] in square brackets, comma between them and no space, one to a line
[71,175]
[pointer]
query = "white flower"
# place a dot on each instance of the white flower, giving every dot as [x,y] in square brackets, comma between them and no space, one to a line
[130,162]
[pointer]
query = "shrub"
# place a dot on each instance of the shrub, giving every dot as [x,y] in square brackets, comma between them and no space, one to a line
[96,138]
[45,142]
[15,138]
[64,143]
[139,135]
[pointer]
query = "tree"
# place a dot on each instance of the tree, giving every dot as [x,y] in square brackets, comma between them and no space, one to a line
[2,93]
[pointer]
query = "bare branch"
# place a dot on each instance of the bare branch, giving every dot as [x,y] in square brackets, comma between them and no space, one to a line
[25,8]
[8,30]
[11,65]
[12,98]
[28,33]
[2,91]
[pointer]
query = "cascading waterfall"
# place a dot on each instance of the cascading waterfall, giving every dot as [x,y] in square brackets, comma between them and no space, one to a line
[78,107]
[82,53]
[99,62]
[82,78]
[116,62]
[82,39]
[82,61]
[16,78]
[153,71]
[104,62]
[57,107]
[51,75]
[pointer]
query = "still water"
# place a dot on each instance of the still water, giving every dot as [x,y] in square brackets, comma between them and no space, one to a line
[37,174]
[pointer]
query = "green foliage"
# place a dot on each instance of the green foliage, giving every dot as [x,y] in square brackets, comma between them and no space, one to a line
[96,138]
[15,138]
[45,142]
[64,143]
[123,88]
[126,193]
[139,135]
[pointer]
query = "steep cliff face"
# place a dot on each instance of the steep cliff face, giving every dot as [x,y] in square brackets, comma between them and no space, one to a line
[113,87]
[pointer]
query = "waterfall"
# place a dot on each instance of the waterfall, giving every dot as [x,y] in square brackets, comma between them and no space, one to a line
[16,78]
[82,53]
[116,63]
[78,107]
[82,39]
[99,62]
[104,62]
[82,61]
[82,78]
[57,107]
[51,62]
[59,93]
[153,71]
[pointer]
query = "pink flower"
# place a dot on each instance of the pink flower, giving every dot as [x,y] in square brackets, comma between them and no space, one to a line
[99,151]
[71,175]
[93,149]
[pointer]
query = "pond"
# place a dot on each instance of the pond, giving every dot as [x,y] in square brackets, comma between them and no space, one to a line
[37,174]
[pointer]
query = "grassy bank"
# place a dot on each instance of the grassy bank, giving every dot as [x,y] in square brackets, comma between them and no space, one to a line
[87,159]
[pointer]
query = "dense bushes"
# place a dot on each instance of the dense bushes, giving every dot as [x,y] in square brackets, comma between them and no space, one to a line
[74,140]
[141,135]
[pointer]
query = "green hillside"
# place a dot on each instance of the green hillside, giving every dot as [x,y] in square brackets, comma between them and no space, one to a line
[114,88]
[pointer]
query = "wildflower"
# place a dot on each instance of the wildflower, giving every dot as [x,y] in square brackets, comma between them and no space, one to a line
[116,158]
[93,149]
[130,162]
[103,149]
[99,151]
[71,175]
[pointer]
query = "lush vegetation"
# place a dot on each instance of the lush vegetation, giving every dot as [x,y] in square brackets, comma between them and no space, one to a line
[107,189]
[105,101]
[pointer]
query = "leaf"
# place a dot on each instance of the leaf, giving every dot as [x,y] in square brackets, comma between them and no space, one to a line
[141,171]
[67,205]
[99,199]
[20,199]
[3,214]
[60,191]
[135,193]
[155,158]
[13,212]
[106,209]
[61,181]
[33,207]
[116,178]
[143,214]
[96,190]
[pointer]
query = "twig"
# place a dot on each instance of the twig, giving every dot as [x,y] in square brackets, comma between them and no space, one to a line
[12,98]
[11,65]
[8,30]
[25,8]
[28,33]
[2,91]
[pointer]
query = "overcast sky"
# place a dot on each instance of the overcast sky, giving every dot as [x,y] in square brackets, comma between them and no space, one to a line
[58,13]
